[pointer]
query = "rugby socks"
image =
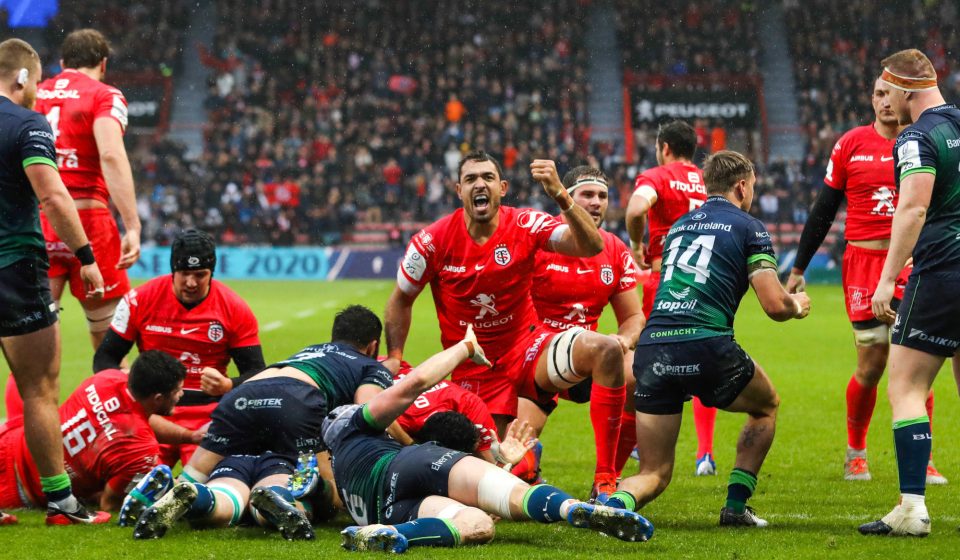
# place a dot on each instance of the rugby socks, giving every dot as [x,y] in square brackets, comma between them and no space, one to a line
[547,504]
[627,441]
[622,499]
[912,440]
[860,404]
[739,489]
[204,503]
[606,409]
[57,489]
[704,419]
[429,531]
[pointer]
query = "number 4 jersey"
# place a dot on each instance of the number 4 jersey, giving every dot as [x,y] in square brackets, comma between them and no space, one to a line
[106,440]
[708,256]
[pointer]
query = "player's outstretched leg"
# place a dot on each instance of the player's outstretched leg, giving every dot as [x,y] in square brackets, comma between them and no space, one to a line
[623,524]
[150,488]
[705,421]
[275,504]
[373,538]
[159,517]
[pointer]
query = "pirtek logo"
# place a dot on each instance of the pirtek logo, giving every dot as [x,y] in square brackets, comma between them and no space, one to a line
[243,403]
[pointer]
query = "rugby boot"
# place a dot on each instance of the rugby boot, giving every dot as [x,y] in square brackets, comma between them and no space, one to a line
[855,467]
[80,516]
[900,522]
[603,486]
[148,490]
[730,518]
[160,517]
[623,524]
[706,466]
[292,523]
[8,519]
[375,538]
[305,477]
[933,475]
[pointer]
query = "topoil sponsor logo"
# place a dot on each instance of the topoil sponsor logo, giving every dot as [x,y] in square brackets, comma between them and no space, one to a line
[672,306]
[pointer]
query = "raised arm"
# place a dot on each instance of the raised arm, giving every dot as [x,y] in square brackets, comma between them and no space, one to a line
[387,406]
[581,238]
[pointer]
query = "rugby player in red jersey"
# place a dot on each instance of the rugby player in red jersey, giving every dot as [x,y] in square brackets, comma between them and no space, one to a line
[107,438]
[663,194]
[861,169]
[588,285]
[88,119]
[195,319]
[479,263]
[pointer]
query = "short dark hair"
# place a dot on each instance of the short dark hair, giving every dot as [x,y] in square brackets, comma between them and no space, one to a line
[450,429]
[479,155]
[84,48]
[680,136]
[356,325]
[154,372]
[723,169]
[581,172]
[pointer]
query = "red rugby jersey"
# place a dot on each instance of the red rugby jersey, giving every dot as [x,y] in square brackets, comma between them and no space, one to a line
[106,438]
[486,285]
[448,397]
[861,166]
[72,101]
[572,292]
[153,317]
[680,189]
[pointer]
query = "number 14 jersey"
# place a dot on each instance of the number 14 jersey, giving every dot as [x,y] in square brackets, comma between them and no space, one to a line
[707,257]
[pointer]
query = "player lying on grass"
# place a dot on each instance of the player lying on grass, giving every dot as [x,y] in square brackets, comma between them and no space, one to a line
[714,254]
[429,495]
[236,482]
[106,435]
[281,408]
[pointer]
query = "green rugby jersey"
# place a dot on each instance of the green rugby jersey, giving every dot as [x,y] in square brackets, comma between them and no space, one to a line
[932,145]
[25,139]
[705,272]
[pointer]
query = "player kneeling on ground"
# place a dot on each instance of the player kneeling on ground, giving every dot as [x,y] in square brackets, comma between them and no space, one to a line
[430,495]
[687,348]
[238,480]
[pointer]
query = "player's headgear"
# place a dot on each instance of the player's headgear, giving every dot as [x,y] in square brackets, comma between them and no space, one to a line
[584,175]
[193,249]
[906,83]
[336,422]
[909,70]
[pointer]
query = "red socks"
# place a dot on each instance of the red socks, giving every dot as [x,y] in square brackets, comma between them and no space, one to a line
[606,409]
[705,419]
[628,439]
[860,404]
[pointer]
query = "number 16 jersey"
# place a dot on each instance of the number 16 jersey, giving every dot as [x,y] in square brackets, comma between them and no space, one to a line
[708,254]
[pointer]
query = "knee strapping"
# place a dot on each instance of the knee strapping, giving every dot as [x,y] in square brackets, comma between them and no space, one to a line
[494,491]
[233,497]
[450,511]
[560,369]
[871,337]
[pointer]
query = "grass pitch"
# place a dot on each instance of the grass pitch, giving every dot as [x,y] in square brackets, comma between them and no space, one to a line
[812,511]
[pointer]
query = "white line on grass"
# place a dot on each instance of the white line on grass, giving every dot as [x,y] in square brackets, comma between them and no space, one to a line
[272,326]
[305,313]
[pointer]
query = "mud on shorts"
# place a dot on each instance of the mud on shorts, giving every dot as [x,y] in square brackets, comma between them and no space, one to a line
[714,369]
[278,414]
[928,319]
[417,472]
[26,305]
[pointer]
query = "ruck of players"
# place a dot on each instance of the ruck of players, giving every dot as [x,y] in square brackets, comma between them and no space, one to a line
[438,452]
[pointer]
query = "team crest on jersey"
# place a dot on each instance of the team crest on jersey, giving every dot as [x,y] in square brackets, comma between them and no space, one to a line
[215,332]
[501,255]
[606,274]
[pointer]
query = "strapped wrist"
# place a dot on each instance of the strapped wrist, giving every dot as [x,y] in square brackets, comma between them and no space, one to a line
[85,255]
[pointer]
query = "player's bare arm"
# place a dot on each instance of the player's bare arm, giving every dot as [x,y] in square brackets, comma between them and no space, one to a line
[396,318]
[636,219]
[581,239]
[62,213]
[388,405]
[774,299]
[628,310]
[170,433]
[119,178]
[908,220]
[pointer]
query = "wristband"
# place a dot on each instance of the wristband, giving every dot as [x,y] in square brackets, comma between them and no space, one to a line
[559,202]
[85,255]
[635,245]
[798,307]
